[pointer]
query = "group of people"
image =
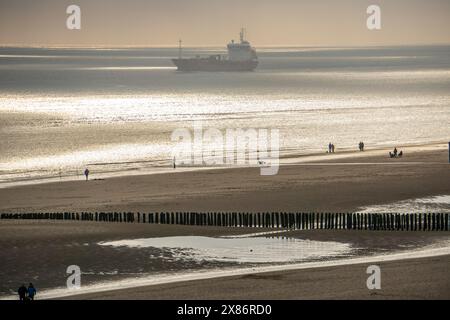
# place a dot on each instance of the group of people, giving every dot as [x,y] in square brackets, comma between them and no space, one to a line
[26,293]
[331,147]
[395,153]
[361,146]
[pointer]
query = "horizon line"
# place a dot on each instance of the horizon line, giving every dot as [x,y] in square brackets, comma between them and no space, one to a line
[33,46]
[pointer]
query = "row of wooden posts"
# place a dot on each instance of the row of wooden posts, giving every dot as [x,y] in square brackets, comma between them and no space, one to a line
[297,221]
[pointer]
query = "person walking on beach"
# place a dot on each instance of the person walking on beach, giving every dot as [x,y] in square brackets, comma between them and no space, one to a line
[332,148]
[329,147]
[361,146]
[86,173]
[22,292]
[31,292]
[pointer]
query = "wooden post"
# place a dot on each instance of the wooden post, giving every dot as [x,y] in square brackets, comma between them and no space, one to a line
[306,220]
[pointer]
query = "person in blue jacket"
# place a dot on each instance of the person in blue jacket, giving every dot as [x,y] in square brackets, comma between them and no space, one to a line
[31,292]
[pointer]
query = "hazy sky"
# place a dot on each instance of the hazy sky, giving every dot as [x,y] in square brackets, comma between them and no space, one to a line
[214,22]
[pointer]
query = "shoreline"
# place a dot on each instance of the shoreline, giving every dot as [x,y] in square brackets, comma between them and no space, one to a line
[317,183]
[288,158]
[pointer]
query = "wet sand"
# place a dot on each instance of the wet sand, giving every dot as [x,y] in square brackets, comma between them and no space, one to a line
[426,278]
[40,251]
[343,184]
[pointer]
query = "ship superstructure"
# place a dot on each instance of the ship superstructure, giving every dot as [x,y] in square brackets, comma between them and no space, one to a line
[241,57]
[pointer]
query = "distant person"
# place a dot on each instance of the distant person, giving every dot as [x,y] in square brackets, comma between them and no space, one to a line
[395,152]
[31,292]
[22,292]
[86,173]
[332,148]
[329,147]
[400,154]
[362,146]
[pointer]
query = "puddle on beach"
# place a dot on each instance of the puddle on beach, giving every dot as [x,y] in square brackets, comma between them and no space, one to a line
[240,249]
[436,204]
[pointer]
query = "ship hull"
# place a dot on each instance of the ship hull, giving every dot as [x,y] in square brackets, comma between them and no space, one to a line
[214,65]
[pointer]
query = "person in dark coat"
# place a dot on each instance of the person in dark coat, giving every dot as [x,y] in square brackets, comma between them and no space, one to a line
[22,292]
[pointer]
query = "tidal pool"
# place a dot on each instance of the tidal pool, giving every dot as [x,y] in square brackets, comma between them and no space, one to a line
[241,249]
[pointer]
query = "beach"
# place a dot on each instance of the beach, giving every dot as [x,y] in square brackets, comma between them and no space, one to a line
[323,184]
[348,182]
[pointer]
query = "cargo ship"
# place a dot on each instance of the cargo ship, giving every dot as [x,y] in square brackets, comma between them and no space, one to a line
[241,57]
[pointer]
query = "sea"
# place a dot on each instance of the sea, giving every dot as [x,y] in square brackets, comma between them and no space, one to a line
[114,110]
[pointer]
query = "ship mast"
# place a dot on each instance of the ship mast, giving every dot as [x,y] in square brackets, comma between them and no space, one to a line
[241,34]
[179,49]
